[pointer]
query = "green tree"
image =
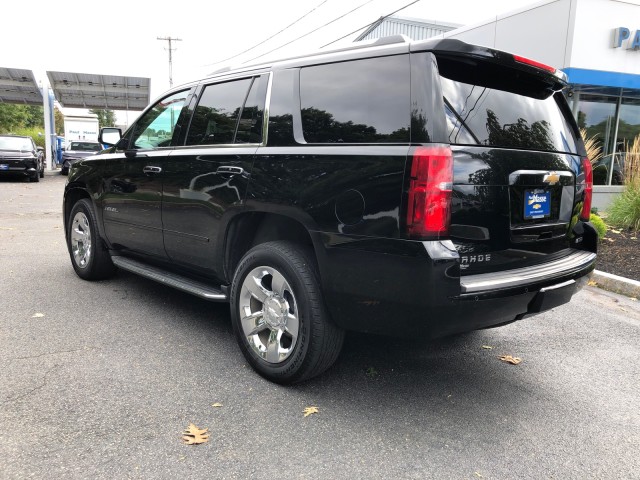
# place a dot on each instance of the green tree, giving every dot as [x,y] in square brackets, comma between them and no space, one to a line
[106,117]
[59,119]
[35,116]
[12,116]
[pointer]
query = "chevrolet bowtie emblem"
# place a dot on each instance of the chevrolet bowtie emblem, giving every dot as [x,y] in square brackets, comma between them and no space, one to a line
[551,178]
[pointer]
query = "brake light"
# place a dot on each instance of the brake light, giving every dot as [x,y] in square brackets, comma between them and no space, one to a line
[429,206]
[588,189]
[533,63]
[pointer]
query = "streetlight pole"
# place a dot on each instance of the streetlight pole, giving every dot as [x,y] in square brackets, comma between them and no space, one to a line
[170,49]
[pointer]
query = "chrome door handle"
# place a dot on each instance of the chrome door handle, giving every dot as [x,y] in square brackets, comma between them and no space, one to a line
[151,169]
[230,170]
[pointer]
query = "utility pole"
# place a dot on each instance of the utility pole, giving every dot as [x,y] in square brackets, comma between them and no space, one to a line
[169,39]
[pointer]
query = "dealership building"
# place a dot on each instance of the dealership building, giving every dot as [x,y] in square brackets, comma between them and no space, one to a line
[596,43]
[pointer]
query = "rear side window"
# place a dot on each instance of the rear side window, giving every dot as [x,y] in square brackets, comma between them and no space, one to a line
[361,101]
[228,113]
[514,113]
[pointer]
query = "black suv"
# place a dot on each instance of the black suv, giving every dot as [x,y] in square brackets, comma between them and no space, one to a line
[405,188]
[19,156]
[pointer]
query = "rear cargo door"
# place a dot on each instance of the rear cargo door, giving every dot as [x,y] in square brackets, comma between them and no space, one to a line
[516,166]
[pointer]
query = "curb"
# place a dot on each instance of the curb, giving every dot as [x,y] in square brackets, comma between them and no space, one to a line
[616,284]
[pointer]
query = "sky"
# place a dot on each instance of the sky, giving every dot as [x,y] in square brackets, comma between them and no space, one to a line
[120,37]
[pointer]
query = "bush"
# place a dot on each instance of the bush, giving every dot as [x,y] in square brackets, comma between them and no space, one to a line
[599,225]
[624,212]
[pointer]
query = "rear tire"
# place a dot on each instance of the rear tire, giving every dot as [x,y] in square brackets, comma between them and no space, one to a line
[278,314]
[89,257]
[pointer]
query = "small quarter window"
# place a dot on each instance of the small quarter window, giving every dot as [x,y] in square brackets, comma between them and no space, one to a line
[362,101]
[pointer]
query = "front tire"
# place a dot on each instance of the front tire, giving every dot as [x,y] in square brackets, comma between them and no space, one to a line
[278,314]
[89,257]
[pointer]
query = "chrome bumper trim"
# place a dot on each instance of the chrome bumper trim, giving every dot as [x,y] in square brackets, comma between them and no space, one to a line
[576,261]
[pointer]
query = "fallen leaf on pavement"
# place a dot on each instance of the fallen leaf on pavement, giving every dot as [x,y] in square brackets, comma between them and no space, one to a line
[194,435]
[216,405]
[592,283]
[37,315]
[310,411]
[487,347]
[510,359]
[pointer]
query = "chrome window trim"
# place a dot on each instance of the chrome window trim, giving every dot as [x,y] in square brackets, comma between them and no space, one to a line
[575,261]
[265,113]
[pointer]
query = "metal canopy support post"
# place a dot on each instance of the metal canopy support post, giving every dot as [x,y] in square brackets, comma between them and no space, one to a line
[49,128]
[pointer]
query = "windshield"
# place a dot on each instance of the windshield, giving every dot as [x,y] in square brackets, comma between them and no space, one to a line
[15,143]
[85,146]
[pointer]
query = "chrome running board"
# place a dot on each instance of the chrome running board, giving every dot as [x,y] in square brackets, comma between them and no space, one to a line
[199,289]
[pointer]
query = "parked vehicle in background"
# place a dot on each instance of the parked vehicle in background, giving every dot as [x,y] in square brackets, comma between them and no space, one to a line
[81,127]
[406,188]
[77,150]
[20,157]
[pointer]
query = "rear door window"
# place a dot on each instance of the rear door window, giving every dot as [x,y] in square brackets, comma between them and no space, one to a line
[361,101]
[228,113]
[513,114]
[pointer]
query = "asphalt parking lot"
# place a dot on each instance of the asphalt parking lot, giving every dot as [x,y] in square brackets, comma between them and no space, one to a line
[98,380]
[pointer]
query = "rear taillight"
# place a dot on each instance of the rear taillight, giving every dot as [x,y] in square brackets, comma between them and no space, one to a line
[429,206]
[587,171]
[533,63]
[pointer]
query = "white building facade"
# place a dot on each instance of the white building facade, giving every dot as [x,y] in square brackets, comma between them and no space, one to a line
[597,44]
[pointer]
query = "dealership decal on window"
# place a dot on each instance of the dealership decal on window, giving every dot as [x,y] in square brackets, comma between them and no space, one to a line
[622,34]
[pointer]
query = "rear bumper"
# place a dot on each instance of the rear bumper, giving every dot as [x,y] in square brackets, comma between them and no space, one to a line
[415,288]
[574,262]
[13,171]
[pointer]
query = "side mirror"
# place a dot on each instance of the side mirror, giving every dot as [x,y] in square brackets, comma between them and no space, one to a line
[109,136]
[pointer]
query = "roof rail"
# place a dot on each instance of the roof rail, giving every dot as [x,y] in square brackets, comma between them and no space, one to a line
[379,42]
[390,40]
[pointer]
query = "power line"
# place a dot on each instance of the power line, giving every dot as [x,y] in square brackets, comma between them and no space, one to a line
[309,33]
[372,23]
[170,39]
[267,39]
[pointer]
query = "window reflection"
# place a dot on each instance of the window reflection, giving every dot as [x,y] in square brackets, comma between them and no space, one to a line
[362,101]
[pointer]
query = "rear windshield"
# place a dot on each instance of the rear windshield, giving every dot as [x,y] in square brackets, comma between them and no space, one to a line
[15,143]
[85,147]
[480,112]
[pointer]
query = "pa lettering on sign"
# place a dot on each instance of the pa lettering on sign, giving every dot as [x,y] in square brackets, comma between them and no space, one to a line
[623,34]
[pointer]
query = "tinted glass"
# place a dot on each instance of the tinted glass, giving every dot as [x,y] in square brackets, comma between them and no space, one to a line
[155,128]
[250,124]
[85,146]
[215,118]
[480,115]
[363,101]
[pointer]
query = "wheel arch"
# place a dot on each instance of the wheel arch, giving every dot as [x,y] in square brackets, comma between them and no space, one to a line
[247,230]
[71,196]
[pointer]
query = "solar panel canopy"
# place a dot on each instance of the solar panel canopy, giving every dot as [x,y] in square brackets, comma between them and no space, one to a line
[18,85]
[85,90]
